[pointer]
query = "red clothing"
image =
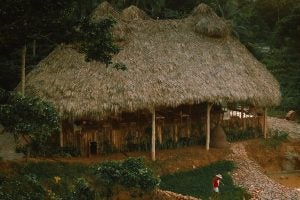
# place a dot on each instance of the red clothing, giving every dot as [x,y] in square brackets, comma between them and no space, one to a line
[216,182]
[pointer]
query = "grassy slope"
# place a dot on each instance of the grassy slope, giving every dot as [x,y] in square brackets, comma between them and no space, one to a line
[198,182]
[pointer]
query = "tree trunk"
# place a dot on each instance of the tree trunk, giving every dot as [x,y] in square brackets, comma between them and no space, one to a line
[153,136]
[23,63]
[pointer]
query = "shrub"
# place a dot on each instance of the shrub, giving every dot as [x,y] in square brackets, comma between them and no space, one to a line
[82,190]
[131,173]
[25,187]
[28,117]
[276,140]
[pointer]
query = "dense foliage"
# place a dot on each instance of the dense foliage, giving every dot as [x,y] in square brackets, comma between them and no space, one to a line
[132,173]
[37,25]
[57,180]
[28,116]
[198,182]
[96,41]
[25,187]
[44,180]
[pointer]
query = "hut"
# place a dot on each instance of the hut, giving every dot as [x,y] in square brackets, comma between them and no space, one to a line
[177,71]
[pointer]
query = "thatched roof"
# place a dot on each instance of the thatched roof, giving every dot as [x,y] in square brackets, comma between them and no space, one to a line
[170,62]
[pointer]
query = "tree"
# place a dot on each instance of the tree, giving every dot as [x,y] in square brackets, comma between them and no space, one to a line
[284,58]
[29,117]
[25,23]
[96,41]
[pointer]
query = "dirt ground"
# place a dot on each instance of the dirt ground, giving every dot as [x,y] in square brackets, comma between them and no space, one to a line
[289,180]
[271,160]
[167,161]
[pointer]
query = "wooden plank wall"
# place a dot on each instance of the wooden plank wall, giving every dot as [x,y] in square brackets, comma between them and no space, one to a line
[123,135]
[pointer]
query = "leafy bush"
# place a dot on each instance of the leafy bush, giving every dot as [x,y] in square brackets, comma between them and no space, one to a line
[131,173]
[44,180]
[276,140]
[82,190]
[198,182]
[28,116]
[25,187]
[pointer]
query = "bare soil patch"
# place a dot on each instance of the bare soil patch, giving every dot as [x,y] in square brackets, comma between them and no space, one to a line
[168,161]
[272,159]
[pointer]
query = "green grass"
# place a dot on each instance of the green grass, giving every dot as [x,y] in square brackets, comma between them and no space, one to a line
[198,182]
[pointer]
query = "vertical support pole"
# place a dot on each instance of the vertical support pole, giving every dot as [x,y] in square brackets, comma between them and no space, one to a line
[209,106]
[61,136]
[265,123]
[243,118]
[153,135]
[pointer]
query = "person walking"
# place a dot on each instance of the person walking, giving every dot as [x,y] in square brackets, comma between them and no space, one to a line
[216,184]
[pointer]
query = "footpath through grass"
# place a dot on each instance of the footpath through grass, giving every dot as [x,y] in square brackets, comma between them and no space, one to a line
[198,182]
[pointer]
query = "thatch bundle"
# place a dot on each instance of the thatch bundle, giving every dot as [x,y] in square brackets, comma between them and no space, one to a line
[134,13]
[168,63]
[203,10]
[218,138]
[104,10]
[209,23]
[217,29]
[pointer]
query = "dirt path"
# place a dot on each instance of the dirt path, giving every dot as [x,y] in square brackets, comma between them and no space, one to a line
[290,127]
[250,176]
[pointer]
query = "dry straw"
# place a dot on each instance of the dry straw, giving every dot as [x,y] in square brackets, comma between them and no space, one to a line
[169,64]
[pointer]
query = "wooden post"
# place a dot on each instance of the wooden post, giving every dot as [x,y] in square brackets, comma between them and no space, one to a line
[243,118]
[209,106]
[265,123]
[61,136]
[153,136]
[23,63]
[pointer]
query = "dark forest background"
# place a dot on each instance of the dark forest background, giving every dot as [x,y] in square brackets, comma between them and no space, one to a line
[270,29]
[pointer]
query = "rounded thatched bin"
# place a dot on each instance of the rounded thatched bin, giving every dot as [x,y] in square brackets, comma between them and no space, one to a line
[218,138]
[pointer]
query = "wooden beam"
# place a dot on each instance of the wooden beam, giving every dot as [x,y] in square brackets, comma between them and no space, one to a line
[153,136]
[265,129]
[209,106]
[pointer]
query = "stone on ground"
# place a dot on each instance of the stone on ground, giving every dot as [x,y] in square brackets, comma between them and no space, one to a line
[291,115]
[8,147]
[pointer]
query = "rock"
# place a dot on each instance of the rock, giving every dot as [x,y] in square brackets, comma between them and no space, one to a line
[8,147]
[291,115]
[283,177]
[1,128]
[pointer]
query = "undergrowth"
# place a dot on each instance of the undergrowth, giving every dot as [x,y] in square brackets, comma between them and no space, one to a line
[277,138]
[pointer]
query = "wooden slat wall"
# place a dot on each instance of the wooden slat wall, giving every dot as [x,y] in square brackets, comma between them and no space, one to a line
[118,134]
